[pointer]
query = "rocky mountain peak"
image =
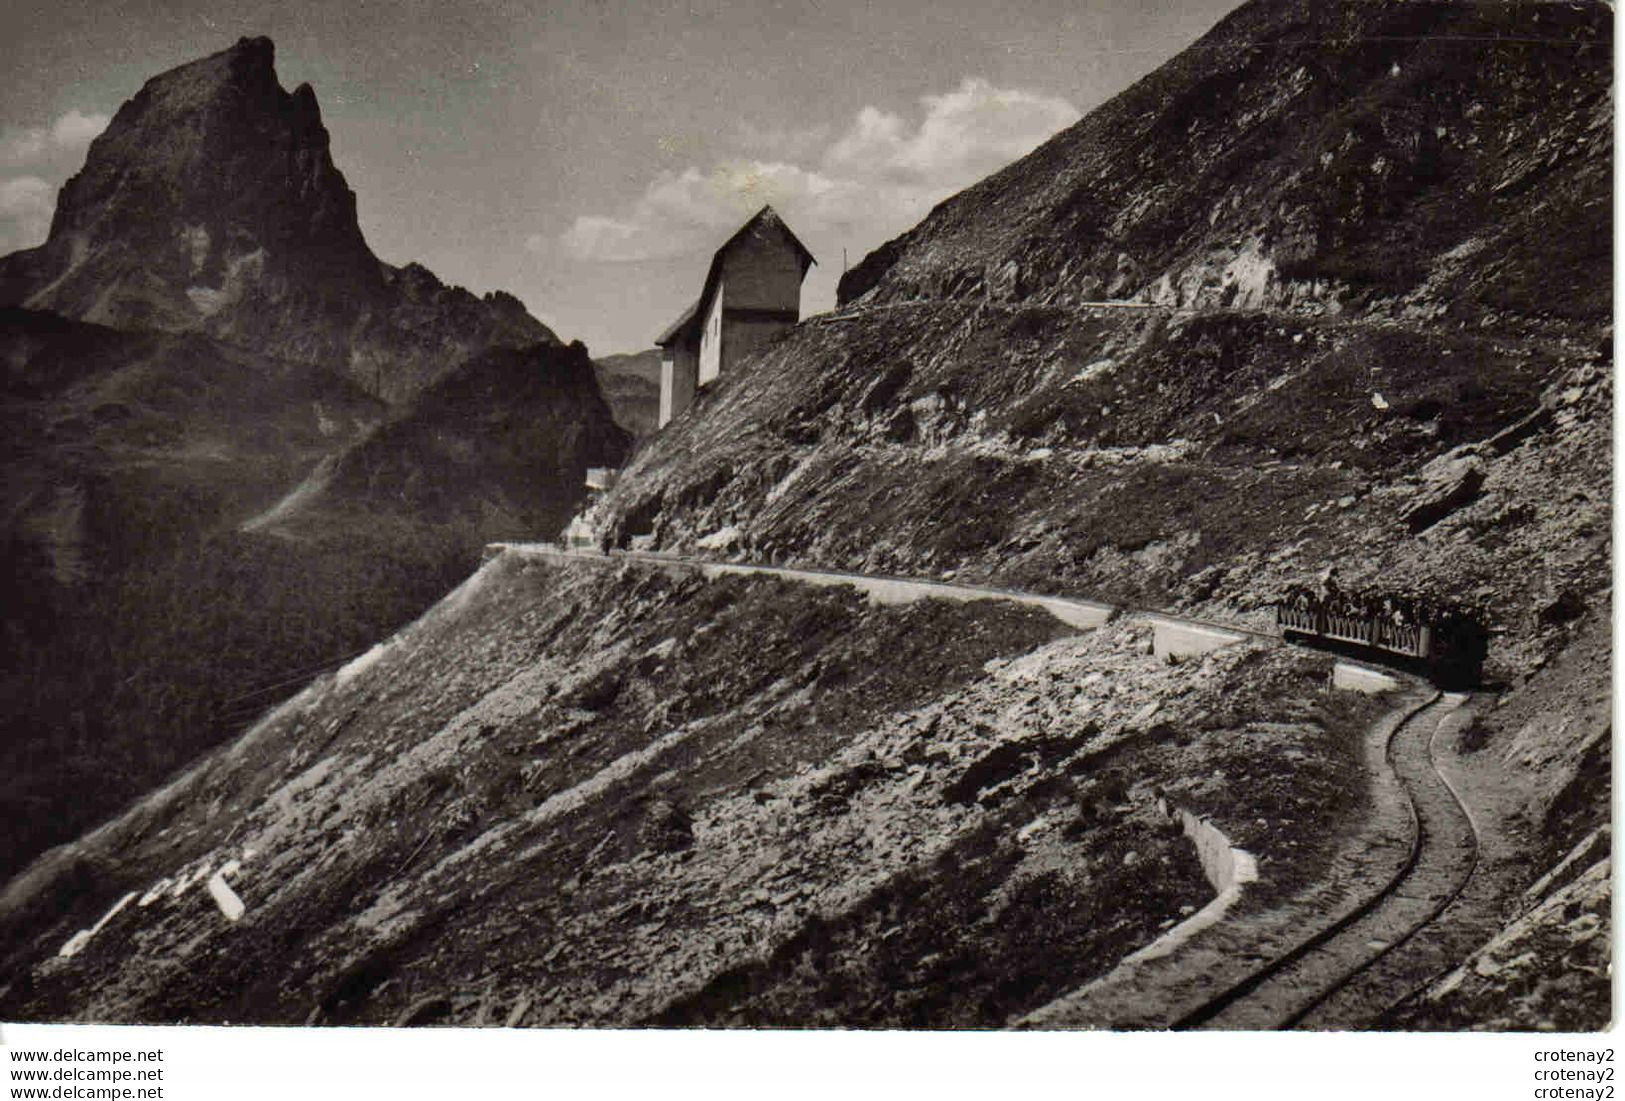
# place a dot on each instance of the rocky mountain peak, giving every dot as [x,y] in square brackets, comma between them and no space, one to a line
[211,167]
[212,203]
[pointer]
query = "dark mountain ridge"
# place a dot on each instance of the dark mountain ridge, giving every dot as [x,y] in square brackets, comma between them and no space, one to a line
[194,530]
[465,454]
[630,382]
[212,204]
[239,447]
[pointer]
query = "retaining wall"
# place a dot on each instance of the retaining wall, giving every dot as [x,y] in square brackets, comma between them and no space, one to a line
[1175,639]
[1362,678]
[1227,868]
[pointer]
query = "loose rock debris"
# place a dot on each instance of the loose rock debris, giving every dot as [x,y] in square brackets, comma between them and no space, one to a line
[810,785]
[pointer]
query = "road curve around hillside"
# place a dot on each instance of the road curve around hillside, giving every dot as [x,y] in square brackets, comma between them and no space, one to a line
[1347,971]
[888,589]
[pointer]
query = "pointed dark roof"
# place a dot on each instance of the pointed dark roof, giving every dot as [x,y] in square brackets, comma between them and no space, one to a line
[675,329]
[767,215]
[692,316]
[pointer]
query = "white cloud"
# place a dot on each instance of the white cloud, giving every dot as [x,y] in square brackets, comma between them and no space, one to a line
[76,130]
[683,211]
[964,135]
[68,136]
[26,203]
[878,177]
[36,159]
[870,145]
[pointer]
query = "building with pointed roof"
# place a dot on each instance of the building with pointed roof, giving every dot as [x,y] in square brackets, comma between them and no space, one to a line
[752,293]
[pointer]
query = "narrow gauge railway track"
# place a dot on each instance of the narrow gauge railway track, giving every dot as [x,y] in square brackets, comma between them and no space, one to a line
[1347,973]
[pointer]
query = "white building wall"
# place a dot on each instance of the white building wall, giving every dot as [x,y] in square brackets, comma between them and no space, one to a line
[679,370]
[668,364]
[711,339]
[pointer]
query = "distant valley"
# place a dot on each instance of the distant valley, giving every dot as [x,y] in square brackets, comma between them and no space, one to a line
[631,384]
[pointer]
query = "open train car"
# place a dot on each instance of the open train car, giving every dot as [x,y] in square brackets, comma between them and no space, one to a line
[1442,642]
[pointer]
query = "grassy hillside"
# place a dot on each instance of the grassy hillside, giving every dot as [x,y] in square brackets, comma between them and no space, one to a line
[618,795]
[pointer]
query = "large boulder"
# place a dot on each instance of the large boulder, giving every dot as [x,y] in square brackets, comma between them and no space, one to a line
[1452,481]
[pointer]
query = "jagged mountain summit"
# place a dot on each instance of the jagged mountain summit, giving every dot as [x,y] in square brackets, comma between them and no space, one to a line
[206,500]
[211,204]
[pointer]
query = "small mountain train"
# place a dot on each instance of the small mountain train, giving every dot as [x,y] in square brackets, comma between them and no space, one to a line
[1438,639]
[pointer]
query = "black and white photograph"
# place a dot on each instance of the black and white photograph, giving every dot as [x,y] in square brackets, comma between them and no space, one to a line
[819,516]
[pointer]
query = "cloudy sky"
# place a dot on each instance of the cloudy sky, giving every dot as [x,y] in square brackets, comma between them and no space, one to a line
[588,156]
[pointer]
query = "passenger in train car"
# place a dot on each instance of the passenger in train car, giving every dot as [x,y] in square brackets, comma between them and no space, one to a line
[1396,612]
[1328,584]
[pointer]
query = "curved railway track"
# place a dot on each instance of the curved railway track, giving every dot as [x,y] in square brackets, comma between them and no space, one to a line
[1346,973]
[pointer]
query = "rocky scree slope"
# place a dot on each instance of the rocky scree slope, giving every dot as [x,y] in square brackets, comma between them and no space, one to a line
[1372,243]
[1402,158]
[585,794]
[211,204]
